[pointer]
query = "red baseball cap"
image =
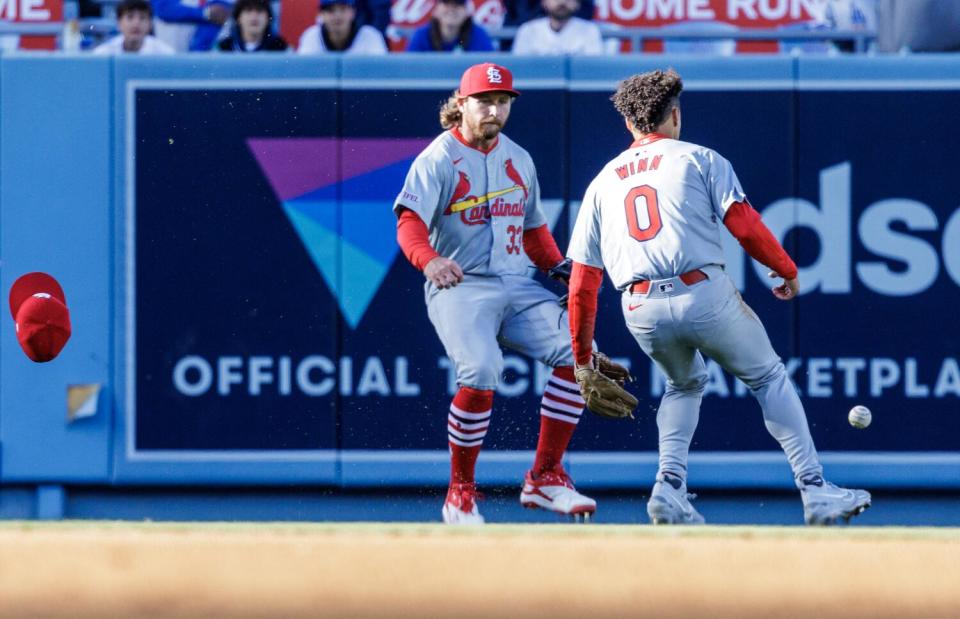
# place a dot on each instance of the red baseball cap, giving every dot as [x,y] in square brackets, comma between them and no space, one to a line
[486,77]
[39,309]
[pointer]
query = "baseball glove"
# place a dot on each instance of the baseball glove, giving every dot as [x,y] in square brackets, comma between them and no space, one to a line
[561,271]
[611,369]
[604,395]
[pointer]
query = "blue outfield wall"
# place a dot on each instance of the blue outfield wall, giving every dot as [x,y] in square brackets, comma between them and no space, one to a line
[222,229]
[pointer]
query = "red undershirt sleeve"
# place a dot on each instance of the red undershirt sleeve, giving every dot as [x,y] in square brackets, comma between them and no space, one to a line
[584,285]
[414,239]
[541,248]
[748,228]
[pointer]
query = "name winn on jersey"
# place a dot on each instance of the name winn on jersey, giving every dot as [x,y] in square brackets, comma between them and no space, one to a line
[636,167]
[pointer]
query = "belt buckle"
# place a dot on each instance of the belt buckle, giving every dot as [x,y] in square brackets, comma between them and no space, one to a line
[667,287]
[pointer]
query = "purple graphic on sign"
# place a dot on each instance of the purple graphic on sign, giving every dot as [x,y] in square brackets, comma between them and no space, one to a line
[338,195]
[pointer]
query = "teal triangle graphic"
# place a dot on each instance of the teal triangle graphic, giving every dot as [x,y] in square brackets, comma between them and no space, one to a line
[321,212]
[355,219]
[372,227]
[369,225]
[361,278]
[348,227]
[321,245]
[367,248]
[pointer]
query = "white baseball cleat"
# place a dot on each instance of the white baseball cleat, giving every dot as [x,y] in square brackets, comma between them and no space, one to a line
[554,490]
[670,502]
[461,505]
[824,503]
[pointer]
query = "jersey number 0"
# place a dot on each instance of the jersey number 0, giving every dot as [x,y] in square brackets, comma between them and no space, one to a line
[631,203]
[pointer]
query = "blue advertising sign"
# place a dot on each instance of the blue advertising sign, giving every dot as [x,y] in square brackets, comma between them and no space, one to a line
[876,227]
[274,310]
[236,327]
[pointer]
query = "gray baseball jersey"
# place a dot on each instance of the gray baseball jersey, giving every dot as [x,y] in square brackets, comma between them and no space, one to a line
[476,206]
[655,211]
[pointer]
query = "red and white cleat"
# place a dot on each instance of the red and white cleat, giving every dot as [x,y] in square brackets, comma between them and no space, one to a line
[554,490]
[461,504]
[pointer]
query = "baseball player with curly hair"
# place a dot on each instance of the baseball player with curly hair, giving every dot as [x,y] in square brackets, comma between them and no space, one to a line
[469,217]
[652,218]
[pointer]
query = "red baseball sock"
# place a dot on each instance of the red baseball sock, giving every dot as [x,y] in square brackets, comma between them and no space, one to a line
[560,411]
[466,426]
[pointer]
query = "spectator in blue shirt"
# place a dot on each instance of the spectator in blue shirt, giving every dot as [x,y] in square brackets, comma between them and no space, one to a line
[451,28]
[190,25]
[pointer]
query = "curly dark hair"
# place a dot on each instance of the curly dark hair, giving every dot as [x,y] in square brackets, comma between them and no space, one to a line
[647,98]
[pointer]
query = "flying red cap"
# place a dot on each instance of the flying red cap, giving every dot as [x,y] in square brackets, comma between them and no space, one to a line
[39,309]
[486,77]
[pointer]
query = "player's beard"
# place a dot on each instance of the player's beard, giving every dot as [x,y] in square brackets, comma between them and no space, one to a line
[489,129]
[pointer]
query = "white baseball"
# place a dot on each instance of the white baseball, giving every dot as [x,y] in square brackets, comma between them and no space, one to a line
[860,417]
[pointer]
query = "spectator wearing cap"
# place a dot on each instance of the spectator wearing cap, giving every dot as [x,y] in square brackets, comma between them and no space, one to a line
[40,316]
[134,19]
[560,32]
[451,28]
[337,30]
[190,25]
[252,29]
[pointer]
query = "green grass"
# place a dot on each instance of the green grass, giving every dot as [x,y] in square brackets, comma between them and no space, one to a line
[495,530]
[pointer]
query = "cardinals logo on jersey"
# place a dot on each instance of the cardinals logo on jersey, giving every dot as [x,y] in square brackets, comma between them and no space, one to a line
[461,190]
[468,206]
[513,175]
[475,210]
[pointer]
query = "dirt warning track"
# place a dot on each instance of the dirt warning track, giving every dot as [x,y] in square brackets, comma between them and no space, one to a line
[133,571]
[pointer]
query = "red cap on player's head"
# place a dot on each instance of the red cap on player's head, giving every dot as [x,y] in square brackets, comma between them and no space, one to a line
[486,77]
[39,309]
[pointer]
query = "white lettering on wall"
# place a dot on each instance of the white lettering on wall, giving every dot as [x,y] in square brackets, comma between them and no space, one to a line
[888,229]
[183,383]
[320,376]
[27,10]
[828,377]
[228,373]
[877,235]
[32,10]
[304,378]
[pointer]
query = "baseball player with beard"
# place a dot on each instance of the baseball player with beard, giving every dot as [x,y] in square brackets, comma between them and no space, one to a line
[469,217]
[652,218]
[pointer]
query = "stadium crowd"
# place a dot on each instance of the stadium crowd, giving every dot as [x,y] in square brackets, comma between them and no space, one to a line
[534,27]
[351,26]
